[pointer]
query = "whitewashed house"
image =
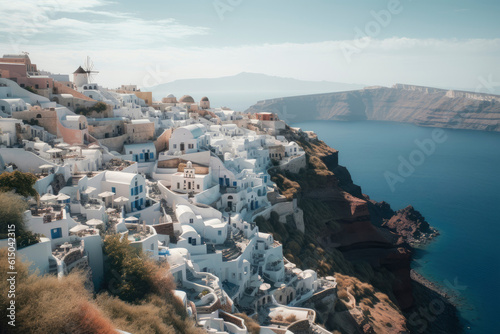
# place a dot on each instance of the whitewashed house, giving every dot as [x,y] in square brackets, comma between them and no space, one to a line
[188,139]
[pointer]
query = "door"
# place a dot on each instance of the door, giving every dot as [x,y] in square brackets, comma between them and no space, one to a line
[182,146]
[56,233]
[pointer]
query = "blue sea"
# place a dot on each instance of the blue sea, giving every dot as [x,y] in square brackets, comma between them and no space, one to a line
[456,186]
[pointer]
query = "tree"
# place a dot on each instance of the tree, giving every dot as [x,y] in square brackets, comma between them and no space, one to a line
[129,277]
[12,215]
[21,183]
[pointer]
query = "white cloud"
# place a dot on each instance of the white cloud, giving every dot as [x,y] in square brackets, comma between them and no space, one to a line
[64,23]
[127,48]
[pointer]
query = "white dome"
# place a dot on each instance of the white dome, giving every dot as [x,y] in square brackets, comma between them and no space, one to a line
[170,96]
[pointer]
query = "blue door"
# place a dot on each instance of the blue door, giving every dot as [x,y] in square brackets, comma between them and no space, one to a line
[227,182]
[221,181]
[56,233]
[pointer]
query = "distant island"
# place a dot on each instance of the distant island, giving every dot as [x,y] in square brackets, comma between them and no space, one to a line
[423,106]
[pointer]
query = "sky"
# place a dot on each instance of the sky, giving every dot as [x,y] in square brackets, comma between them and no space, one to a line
[441,43]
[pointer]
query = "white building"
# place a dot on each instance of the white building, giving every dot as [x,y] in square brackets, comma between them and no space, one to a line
[189,181]
[188,139]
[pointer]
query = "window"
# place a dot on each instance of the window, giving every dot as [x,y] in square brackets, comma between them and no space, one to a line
[198,186]
[175,145]
[142,201]
[191,220]
[140,189]
[142,156]
[190,146]
[151,155]
[178,185]
[132,192]
[3,108]
[219,232]
[113,189]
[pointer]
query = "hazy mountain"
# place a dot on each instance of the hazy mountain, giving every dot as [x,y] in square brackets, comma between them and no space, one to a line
[242,90]
[419,105]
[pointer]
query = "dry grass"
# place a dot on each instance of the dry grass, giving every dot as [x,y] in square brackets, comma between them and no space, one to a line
[291,318]
[45,304]
[252,326]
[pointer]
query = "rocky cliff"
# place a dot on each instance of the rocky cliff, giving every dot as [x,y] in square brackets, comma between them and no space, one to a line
[424,106]
[348,234]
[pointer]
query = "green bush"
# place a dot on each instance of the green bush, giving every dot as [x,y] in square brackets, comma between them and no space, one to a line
[99,107]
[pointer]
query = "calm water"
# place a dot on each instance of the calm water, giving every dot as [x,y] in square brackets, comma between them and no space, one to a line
[457,189]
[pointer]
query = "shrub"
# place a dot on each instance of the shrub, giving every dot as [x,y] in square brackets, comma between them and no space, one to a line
[252,326]
[21,183]
[99,107]
[291,318]
[46,304]
[12,213]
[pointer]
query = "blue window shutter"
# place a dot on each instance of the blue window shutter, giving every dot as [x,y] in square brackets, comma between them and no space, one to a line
[151,155]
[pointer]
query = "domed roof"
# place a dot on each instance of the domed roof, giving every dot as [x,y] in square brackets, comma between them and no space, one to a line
[170,96]
[186,99]
[204,98]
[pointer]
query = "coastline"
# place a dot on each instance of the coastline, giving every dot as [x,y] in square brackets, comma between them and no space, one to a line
[434,311]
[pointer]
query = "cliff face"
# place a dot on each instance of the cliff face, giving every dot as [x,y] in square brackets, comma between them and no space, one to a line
[341,219]
[364,243]
[422,106]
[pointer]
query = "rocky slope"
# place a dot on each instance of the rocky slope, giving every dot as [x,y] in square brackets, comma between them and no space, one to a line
[348,234]
[422,106]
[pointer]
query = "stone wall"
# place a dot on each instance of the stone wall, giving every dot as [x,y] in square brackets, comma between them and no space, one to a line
[115,143]
[161,143]
[300,327]
[47,118]
[140,133]
[295,164]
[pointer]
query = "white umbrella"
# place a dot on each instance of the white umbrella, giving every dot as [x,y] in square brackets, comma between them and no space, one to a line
[94,146]
[121,200]
[46,166]
[110,210]
[74,148]
[78,228]
[131,219]
[66,245]
[88,191]
[62,145]
[62,197]
[94,222]
[54,150]
[106,194]
[48,197]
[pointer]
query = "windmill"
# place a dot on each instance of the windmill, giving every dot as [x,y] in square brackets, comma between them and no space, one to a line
[88,67]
